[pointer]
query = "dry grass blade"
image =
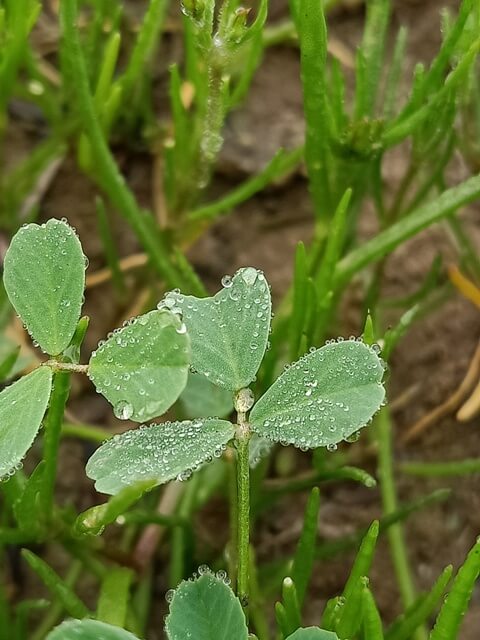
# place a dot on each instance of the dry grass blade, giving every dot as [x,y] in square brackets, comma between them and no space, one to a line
[450,405]
[135,261]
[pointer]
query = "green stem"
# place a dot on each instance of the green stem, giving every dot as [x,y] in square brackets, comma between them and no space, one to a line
[87,432]
[180,535]
[243,511]
[51,438]
[389,503]
[233,500]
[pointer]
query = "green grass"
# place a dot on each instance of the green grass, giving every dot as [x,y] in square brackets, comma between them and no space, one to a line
[94,96]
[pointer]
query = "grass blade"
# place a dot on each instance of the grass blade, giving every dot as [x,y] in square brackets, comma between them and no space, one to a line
[426,215]
[305,552]
[451,614]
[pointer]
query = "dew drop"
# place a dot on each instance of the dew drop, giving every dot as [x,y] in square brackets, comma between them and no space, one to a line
[123,410]
[227,281]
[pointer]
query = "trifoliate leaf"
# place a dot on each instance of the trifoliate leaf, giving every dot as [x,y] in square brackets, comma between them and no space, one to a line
[323,398]
[159,452]
[44,276]
[143,367]
[229,332]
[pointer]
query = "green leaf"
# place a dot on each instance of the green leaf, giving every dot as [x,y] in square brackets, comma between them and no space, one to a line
[143,367]
[28,512]
[8,349]
[56,585]
[229,332]
[22,407]
[454,607]
[44,278]
[89,630]
[202,399]
[323,398]
[311,633]
[95,519]
[206,609]
[159,452]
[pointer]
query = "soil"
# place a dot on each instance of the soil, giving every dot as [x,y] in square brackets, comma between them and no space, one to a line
[430,361]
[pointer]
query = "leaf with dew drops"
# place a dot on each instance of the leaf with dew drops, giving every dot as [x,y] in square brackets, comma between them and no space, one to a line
[22,407]
[44,276]
[229,331]
[89,630]
[205,609]
[143,367]
[158,452]
[312,633]
[323,398]
[202,399]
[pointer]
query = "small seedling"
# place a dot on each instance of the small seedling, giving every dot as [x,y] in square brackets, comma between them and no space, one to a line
[141,369]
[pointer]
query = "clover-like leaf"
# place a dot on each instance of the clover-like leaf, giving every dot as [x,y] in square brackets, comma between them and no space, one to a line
[159,452]
[89,630]
[44,276]
[323,398]
[312,633]
[205,609]
[201,398]
[22,407]
[143,367]
[229,331]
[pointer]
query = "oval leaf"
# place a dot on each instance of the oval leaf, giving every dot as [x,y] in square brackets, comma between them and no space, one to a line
[206,609]
[159,452]
[229,332]
[323,398]
[313,633]
[22,407]
[89,630]
[143,367]
[202,399]
[44,276]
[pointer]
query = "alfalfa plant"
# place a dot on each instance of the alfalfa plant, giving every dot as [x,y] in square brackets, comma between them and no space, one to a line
[141,369]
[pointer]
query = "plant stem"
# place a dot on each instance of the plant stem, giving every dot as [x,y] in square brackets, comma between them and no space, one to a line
[87,432]
[389,502]
[243,509]
[51,439]
[66,366]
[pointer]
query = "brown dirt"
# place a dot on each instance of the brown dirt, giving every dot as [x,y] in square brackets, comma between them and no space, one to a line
[264,232]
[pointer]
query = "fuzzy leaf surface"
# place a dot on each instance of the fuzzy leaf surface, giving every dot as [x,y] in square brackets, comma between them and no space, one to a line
[201,398]
[206,609]
[22,407]
[159,452]
[89,630]
[323,398]
[229,331]
[143,367]
[44,276]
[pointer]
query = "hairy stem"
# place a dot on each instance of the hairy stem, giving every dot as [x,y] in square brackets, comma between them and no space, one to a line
[243,509]
[66,366]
